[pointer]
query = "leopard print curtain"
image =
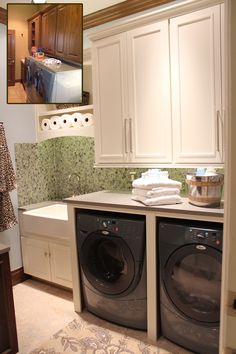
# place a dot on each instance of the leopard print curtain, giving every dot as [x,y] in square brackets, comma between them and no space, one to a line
[7,184]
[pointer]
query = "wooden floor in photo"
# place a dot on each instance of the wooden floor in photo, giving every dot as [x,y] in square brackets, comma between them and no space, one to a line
[16,94]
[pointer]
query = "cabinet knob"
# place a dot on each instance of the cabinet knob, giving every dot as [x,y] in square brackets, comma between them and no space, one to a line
[45,254]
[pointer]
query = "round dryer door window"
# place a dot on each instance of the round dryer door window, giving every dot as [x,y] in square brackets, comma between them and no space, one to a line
[107,263]
[192,280]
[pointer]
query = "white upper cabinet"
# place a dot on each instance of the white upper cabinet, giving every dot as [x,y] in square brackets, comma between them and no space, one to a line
[158,92]
[110,99]
[196,86]
[132,96]
[149,93]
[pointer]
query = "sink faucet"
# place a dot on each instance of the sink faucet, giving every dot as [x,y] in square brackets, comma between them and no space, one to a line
[75,182]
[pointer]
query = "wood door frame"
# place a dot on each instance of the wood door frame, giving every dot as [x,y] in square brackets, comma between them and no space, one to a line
[13,32]
[3,16]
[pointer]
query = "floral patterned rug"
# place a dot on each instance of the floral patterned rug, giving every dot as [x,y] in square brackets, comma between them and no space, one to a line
[82,337]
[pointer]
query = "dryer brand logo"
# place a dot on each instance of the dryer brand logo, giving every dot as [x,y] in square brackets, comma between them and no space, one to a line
[201,247]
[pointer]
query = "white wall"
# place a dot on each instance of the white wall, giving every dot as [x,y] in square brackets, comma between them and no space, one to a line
[17,20]
[20,128]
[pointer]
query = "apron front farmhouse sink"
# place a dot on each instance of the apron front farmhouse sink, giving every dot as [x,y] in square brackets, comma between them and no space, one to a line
[49,220]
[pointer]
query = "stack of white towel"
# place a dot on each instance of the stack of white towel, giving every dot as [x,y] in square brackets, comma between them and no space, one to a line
[156,189]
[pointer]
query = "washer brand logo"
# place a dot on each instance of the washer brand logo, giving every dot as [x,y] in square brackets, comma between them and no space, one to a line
[105,233]
[201,247]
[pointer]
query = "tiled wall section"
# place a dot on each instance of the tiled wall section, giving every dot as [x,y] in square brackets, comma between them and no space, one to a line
[43,169]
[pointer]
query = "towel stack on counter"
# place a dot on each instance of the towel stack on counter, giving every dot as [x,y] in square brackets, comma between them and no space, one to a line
[155,188]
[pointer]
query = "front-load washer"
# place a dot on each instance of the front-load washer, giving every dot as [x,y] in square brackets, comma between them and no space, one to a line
[111,253]
[190,255]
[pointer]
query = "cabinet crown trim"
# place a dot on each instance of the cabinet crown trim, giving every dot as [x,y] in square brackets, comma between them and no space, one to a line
[158,14]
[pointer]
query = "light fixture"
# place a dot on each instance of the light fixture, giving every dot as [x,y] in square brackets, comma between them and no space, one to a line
[38,1]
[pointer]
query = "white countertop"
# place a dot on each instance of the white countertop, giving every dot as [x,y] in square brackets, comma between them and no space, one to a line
[56,68]
[4,248]
[123,200]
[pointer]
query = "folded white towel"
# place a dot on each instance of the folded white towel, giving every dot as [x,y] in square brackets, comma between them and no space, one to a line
[171,199]
[155,183]
[140,191]
[160,192]
[155,192]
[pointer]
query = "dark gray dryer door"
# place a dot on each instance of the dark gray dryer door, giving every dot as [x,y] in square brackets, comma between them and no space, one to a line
[192,281]
[107,262]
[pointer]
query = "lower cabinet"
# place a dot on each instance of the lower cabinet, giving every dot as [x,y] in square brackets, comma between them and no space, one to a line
[8,336]
[48,260]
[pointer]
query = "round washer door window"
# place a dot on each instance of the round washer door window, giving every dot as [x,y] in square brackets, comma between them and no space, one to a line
[192,280]
[107,263]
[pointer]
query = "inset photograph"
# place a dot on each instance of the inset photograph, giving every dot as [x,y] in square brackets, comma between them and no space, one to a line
[45,53]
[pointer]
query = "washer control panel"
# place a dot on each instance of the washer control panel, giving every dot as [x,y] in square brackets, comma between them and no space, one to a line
[210,237]
[107,224]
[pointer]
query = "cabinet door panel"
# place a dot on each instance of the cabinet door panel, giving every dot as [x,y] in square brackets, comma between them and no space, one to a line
[49,31]
[44,38]
[110,89]
[37,30]
[73,33]
[149,93]
[61,30]
[61,264]
[36,258]
[196,86]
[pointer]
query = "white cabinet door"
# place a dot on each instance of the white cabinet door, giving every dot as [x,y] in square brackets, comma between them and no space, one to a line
[149,93]
[110,101]
[196,86]
[60,264]
[36,258]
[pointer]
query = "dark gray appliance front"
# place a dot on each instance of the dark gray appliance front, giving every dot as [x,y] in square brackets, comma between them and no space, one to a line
[111,250]
[190,255]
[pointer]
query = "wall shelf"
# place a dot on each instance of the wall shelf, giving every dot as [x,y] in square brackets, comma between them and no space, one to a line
[42,112]
[81,109]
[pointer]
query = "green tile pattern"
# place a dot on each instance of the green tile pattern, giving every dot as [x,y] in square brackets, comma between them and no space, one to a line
[35,172]
[42,171]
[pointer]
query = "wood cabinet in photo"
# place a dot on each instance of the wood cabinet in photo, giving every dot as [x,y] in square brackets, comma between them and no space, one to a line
[132,96]
[195,44]
[47,260]
[34,30]
[23,73]
[69,32]
[48,33]
[8,335]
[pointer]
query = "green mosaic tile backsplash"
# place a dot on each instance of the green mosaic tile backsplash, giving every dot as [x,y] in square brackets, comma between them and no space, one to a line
[42,171]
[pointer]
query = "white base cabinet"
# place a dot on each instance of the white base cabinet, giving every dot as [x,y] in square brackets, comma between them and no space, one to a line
[47,260]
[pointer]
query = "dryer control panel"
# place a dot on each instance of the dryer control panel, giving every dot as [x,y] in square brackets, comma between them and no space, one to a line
[205,236]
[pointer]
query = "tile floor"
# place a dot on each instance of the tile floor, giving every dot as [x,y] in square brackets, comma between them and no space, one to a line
[42,310]
[16,94]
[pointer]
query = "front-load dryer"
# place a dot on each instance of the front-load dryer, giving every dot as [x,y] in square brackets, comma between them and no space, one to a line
[190,255]
[111,253]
